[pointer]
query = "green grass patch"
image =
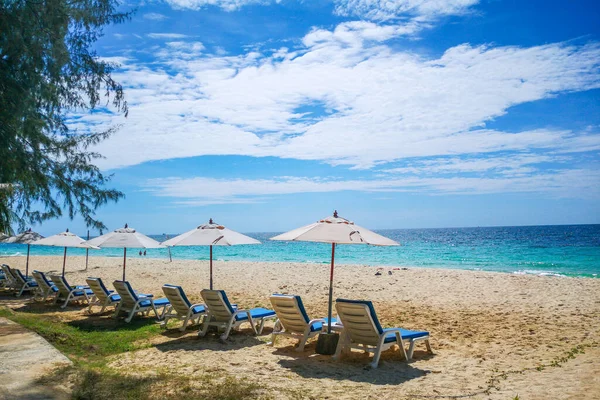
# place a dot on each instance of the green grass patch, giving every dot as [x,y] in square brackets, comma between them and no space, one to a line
[87,340]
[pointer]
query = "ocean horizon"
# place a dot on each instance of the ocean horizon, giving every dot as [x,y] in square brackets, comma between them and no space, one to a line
[556,250]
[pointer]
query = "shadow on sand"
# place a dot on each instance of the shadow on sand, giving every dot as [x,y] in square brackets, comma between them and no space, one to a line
[392,369]
[190,341]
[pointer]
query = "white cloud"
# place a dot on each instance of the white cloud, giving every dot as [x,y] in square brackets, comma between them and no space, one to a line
[580,183]
[392,9]
[154,16]
[166,36]
[228,5]
[374,104]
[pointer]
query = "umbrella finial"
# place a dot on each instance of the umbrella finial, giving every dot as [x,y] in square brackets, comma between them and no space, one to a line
[126,226]
[210,221]
[335,214]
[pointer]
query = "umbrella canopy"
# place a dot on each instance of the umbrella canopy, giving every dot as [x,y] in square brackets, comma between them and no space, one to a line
[124,238]
[335,230]
[64,239]
[210,234]
[27,238]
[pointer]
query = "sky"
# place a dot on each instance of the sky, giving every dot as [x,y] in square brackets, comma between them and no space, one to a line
[267,115]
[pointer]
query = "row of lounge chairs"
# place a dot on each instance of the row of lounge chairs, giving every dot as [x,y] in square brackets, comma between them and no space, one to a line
[356,320]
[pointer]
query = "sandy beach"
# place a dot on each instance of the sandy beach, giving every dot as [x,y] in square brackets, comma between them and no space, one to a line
[494,335]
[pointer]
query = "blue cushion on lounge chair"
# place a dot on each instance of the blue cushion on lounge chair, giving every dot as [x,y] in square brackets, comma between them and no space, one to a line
[144,295]
[198,309]
[115,297]
[80,292]
[256,313]
[318,325]
[145,303]
[32,284]
[162,302]
[406,334]
[54,288]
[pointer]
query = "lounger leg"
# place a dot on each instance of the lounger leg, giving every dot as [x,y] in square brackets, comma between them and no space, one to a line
[400,342]
[303,340]
[377,354]
[225,335]
[428,346]
[104,305]
[273,338]
[411,348]
[340,347]
[252,323]
[185,322]
[131,314]
[67,300]
[261,326]
[205,324]
[117,311]
[21,291]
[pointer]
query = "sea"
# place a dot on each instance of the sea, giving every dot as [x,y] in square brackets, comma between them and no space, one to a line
[555,250]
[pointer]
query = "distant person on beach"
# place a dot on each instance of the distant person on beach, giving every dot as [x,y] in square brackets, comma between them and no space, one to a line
[140,252]
[144,253]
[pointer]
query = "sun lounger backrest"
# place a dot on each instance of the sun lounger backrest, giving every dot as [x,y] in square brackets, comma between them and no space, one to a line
[19,276]
[41,279]
[61,283]
[177,297]
[290,311]
[97,286]
[8,272]
[218,304]
[359,320]
[128,296]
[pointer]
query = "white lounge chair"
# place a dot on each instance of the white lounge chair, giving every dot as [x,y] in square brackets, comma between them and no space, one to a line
[10,281]
[102,297]
[45,288]
[362,330]
[293,321]
[69,293]
[133,303]
[224,316]
[181,308]
[23,284]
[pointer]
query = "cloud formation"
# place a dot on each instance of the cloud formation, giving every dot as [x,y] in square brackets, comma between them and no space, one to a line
[344,97]
[382,10]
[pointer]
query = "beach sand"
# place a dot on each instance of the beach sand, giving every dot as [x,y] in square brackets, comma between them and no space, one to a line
[489,331]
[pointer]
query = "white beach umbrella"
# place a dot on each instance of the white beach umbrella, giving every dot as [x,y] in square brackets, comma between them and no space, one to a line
[210,234]
[124,238]
[27,238]
[64,239]
[335,230]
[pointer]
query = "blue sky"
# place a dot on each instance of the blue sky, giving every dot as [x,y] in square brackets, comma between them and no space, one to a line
[267,115]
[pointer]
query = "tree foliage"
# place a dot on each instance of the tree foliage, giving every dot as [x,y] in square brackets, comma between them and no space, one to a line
[48,69]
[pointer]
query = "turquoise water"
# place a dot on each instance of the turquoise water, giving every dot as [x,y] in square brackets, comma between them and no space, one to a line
[569,250]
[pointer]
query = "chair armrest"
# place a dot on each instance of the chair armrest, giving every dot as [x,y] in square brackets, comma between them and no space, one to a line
[314,321]
[145,295]
[238,312]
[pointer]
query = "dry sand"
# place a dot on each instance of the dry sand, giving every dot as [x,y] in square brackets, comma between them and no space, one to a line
[483,326]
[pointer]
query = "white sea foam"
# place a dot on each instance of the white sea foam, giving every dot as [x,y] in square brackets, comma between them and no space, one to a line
[538,272]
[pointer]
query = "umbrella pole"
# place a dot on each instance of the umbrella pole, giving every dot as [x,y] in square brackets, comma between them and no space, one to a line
[211,279]
[27,264]
[64,261]
[87,252]
[124,261]
[331,288]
